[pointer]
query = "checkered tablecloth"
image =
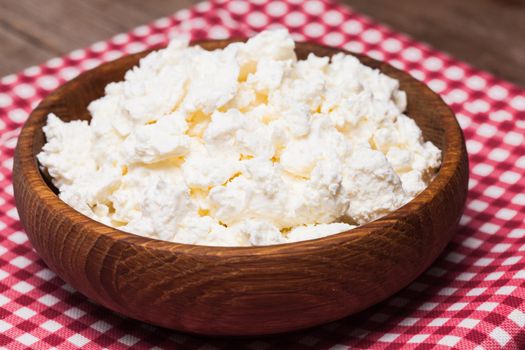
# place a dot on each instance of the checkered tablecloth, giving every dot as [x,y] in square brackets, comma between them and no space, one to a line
[473,296]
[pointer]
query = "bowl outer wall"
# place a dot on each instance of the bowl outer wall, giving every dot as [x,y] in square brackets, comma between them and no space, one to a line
[240,290]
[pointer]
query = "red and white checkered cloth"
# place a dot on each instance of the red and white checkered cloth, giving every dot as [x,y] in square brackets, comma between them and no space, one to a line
[473,296]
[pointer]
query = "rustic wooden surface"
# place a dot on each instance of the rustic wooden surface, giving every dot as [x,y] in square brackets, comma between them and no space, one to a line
[486,33]
[242,290]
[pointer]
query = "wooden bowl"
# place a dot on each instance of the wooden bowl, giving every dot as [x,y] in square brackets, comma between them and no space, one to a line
[240,290]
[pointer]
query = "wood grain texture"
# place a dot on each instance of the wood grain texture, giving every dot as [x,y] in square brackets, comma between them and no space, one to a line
[241,290]
[32,32]
[485,33]
[489,34]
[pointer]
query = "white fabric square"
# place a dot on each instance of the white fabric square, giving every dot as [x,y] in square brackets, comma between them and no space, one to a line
[48,300]
[130,340]
[465,276]
[488,306]
[449,340]
[468,323]
[500,247]
[519,199]
[45,274]
[25,313]
[510,177]
[518,317]
[478,205]
[489,228]
[457,306]
[409,321]
[499,154]
[506,213]
[511,261]
[486,130]
[447,291]
[483,262]
[476,291]
[78,340]
[506,290]
[4,300]
[4,326]
[520,163]
[482,169]
[428,306]
[472,243]
[454,257]
[513,138]
[74,313]
[500,336]
[493,276]
[438,322]
[418,338]
[520,274]
[473,146]
[27,339]
[21,262]
[23,287]
[389,337]
[51,326]
[101,326]
[493,191]
[517,233]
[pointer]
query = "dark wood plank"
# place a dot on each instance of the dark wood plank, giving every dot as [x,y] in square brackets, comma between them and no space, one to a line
[489,34]
[18,51]
[486,33]
[30,33]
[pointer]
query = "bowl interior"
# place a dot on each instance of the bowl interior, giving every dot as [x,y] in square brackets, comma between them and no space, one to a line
[73,106]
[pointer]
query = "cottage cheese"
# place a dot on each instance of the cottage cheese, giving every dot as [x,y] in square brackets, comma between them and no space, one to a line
[241,146]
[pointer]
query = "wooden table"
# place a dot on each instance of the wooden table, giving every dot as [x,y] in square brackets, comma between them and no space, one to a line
[489,34]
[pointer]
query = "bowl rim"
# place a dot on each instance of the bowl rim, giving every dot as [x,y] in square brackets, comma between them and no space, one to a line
[453,152]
